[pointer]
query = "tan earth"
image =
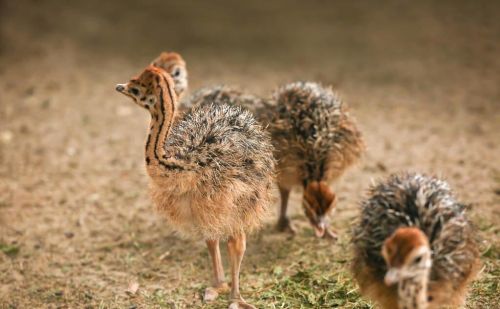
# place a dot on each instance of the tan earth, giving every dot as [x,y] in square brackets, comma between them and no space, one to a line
[77,228]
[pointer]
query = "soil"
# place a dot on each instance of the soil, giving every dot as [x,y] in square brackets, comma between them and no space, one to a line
[77,228]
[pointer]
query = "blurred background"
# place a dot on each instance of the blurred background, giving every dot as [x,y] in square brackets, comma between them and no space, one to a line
[76,224]
[414,44]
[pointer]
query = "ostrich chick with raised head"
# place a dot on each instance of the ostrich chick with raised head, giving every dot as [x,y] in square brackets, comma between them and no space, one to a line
[175,66]
[413,245]
[211,171]
[315,141]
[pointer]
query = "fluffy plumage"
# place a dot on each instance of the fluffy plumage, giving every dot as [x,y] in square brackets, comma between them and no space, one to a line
[314,136]
[315,141]
[228,95]
[223,165]
[427,203]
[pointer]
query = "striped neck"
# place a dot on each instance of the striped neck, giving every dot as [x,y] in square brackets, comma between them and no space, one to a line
[162,115]
[412,293]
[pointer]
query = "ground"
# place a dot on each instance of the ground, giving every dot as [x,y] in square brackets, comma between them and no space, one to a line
[77,228]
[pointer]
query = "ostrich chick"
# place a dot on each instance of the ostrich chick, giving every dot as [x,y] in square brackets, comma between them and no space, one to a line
[211,171]
[414,234]
[175,66]
[315,141]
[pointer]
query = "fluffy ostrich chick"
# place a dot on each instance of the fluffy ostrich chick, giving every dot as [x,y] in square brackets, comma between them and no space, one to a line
[413,245]
[211,171]
[315,141]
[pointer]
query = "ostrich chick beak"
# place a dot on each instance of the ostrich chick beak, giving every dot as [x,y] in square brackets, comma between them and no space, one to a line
[120,87]
[320,229]
[391,277]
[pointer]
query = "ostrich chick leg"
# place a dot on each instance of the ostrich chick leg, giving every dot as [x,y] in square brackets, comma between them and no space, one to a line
[236,246]
[284,224]
[219,284]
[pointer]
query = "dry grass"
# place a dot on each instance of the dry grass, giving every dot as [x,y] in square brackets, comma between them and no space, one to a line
[76,224]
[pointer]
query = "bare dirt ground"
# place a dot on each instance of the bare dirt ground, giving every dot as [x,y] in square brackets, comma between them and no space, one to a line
[76,224]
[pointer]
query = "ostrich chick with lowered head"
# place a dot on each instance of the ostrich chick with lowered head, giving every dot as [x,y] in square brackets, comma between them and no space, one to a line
[413,246]
[211,171]
[315,141]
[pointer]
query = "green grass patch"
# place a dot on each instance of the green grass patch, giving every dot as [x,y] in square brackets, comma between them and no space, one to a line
[10,250]
[313,288]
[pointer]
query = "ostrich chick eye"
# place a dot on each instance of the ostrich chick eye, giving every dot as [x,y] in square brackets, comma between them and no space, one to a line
[134,91]
[177,72]
[417,260]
